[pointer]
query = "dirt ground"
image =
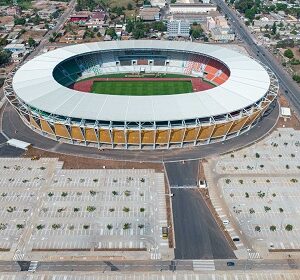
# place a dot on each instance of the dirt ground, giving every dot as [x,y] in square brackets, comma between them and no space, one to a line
[6,19]
[36,35]
[293,122]
[77,162]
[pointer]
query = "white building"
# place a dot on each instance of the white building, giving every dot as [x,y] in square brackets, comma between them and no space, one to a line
[192,8]
[15,47]
[210,23]
[178,28]
[221,21]
[222,34]
[158,3]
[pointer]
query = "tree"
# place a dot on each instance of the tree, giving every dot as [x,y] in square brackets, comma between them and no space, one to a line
[4,56]
[274,28]
[272,228]
[19,21]
[288,53]
[129,26]
[36,20]
[288,227]
[159,26]
[31,42]
[257,228]
[111,32]
[243,5]
[287,43]
[250,14]
[195,33]
[129,6]
[296,78]
[138,33]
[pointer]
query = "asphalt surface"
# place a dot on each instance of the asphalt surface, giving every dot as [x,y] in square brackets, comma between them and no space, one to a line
[288,86]
[197,235]
[15,128]
[182,173]
[147,265]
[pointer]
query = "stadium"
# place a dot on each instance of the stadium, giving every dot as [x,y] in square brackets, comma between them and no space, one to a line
[141,94]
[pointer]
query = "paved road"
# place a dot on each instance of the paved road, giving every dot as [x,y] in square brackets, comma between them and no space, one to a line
[182,173]
[12,123]
[126,266]
[289,87]
[197,235]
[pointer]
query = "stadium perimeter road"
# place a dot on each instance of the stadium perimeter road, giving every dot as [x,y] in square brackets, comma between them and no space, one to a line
[182,173]
[15,128]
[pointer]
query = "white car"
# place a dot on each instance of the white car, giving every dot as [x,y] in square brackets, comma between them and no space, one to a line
[225,222]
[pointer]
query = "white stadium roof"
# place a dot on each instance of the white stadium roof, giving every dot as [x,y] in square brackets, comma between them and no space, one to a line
[35,85]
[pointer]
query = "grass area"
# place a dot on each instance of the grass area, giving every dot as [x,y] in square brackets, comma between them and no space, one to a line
[141,88]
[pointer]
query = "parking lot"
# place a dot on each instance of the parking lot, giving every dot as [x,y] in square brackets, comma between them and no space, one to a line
[156,276]
[45,208]
[261,187]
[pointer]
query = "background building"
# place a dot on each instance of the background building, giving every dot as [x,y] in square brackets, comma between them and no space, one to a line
[222,34]
[192,8]
[178,28]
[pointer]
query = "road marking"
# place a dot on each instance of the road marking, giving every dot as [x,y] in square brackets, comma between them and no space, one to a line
[203,265]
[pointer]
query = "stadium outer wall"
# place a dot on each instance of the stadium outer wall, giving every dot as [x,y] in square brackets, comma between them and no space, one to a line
[168,135]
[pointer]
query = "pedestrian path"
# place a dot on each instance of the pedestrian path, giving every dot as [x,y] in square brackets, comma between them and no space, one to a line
[199,265]
[33,265]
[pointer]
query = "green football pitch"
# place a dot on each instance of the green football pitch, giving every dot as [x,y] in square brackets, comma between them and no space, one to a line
[142,88]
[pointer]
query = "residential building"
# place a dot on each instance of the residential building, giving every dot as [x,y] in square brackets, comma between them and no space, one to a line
[15,47]
[150,14]
[178,28]
[98,17]
[46,13]
[18,56]
[13,11]
[74,38]
[80,17]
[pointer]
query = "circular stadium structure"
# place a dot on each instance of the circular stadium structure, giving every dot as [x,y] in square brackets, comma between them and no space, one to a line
[156,94]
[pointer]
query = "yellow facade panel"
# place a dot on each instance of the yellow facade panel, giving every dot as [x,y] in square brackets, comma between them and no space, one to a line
[90,135]
[176,135]
[133,136]
[253,117]
[61,130]
[104,136]
[238,124]
[119,136]
[221,129]
[76,133]
[46,127]
[191,134]
[148,136]
[34,123]
[205,132]
[162,136]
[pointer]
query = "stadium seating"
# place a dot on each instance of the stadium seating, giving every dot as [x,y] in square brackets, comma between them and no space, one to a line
[95,64]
